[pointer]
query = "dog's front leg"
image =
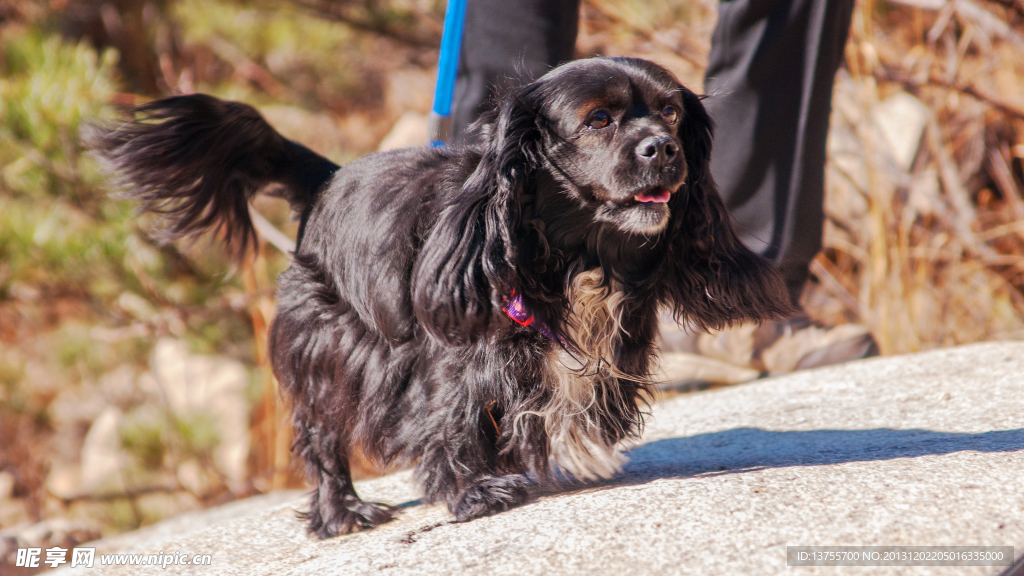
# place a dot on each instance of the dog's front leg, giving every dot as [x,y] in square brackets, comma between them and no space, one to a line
[461,474]
[488,495]
[462,463]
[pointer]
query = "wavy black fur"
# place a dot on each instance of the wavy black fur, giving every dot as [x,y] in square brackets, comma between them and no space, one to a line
[390,332]
[199,161]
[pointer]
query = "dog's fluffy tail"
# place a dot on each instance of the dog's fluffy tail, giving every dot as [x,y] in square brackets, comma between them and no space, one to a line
[199,160]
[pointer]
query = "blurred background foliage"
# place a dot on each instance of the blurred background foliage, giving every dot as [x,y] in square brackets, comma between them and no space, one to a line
[85,293]
[133,381]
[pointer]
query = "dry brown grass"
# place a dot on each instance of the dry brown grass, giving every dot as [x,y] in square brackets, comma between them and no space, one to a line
[927,252]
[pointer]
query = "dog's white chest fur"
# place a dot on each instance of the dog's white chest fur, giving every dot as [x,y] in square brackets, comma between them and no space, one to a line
[583,387]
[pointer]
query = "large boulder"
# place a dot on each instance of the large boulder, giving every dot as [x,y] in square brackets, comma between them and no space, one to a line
[924,449]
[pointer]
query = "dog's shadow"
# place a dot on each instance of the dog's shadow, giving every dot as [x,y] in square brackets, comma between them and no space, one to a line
[743,450]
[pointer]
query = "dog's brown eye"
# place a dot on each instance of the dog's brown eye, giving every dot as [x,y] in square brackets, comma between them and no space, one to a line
[670,114]
[599,120]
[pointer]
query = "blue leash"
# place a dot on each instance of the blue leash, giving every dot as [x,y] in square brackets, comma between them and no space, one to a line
[440,122]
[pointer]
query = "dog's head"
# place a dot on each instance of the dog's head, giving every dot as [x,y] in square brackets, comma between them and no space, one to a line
[621,135]
[613,136]
[600,159]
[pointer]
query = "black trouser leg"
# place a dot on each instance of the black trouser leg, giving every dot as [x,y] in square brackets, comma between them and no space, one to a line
[770,76]
[508,42]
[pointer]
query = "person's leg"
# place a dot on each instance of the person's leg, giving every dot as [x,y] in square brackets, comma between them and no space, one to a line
[769,78]
[508,41]
[769,81]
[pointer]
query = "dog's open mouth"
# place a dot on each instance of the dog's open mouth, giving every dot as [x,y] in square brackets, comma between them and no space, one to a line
[654,196]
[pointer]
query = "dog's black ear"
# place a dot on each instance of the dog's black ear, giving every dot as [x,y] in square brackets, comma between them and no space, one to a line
[467,262]
[711,279]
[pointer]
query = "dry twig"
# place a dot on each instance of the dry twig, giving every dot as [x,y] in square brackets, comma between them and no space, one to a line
[936,80]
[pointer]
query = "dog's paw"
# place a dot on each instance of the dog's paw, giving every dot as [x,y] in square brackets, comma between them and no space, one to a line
[490,495]
[353,516]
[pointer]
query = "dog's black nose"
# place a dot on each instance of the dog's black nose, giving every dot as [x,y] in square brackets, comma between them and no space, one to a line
[657,149]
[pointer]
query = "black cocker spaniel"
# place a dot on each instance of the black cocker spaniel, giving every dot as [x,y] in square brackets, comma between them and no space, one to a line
[488,312]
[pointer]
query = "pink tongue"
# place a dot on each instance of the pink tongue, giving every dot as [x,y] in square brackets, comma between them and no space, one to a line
[660,197]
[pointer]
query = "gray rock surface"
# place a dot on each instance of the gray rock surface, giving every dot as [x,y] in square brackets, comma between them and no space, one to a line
[925,450]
